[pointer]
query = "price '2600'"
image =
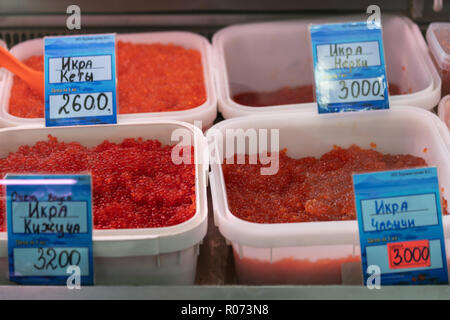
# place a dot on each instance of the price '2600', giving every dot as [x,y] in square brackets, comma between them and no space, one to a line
[76,103]
[80,105]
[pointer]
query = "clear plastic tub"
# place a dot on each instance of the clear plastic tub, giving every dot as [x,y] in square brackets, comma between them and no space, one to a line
[206,112]
[318,252]
[264,57]
[165,255]
[438,37]
[444,110]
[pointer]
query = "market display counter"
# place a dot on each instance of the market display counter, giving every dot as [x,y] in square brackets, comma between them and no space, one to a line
[224,243]
[227,292]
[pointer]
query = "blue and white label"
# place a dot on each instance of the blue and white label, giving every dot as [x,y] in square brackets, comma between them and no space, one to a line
[349,67]
[80,80]
[49,220]
[400,226]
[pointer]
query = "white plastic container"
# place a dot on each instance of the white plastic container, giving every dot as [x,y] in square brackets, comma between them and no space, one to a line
[267,56]
[438,37]
[131,256]
[444,110]
[318,252]
[206,112]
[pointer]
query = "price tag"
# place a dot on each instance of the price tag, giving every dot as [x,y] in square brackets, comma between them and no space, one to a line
[49,221]
[349,67]
[400,226]
[80,80]
[409,254]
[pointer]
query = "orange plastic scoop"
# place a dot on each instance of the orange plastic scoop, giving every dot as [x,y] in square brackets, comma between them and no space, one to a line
[35,79]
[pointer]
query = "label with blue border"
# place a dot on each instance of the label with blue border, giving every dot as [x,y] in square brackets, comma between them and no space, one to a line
[49,220]
[400,226]
[80,80]
[349,67]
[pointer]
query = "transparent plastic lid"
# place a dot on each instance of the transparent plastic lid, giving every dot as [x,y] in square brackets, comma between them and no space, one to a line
[438,37]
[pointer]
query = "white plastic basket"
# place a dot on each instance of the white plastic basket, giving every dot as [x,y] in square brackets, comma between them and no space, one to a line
[206,112]
[131,256]
[271,55]
[319,252]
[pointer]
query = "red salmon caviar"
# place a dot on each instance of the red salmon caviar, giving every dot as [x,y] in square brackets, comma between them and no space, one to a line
[291,270]
[24,102]
[306,189]
[151,78]
[285,95]
[135,183]
[289,95]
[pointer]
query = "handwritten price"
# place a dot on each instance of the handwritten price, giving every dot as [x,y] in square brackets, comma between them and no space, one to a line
[52,259]
[90,102]
[372,88]
[409,254]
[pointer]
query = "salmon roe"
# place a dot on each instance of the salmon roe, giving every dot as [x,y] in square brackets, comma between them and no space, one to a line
[289,95]
[135,183]
[285,95]
[150,78]
[291,270]
[306,189]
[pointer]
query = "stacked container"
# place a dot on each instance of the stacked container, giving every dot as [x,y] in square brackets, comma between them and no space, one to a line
[262,57]
[166,255]
[438,37]
[318,252]
[206,112]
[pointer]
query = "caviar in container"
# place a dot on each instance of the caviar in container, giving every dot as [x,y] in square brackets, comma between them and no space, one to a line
[149,213]
[268,67]
[159,75]
[298,226]
[438,37]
